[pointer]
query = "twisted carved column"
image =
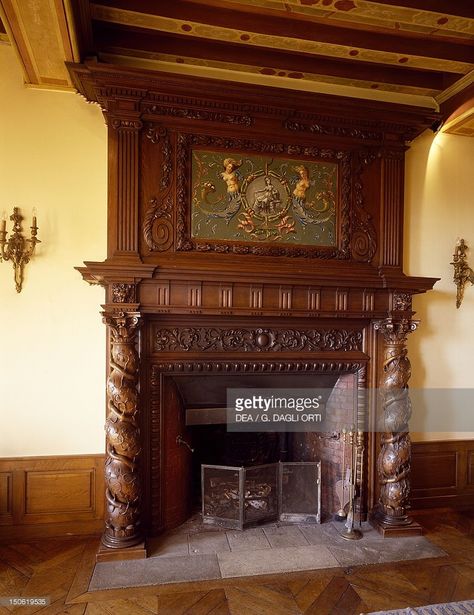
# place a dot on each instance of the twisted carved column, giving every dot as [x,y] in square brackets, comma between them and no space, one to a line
[394,459]
[122,522]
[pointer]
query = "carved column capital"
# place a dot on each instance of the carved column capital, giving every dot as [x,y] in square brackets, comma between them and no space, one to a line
[395,330]
[122,521]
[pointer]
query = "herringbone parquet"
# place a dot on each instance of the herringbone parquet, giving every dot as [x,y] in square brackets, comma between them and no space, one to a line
[61,569]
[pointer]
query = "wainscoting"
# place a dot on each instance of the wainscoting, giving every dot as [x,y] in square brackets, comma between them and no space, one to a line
[51,496]
[443,474]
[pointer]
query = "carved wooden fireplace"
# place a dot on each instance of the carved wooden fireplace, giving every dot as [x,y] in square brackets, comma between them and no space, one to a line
[251,232]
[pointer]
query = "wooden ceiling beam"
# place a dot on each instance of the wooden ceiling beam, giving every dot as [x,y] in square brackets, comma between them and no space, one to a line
[460,8]
[112,38]
[293,26]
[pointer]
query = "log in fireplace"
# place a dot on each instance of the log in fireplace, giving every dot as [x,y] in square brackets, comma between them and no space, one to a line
[251,233]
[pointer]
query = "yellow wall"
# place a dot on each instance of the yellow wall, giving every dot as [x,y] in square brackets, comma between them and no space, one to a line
[439,209]
[52,366]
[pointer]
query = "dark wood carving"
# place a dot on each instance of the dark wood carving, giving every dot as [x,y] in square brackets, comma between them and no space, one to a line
[401,301]
[395,454]
[200,114]
[205,339]
[201,299]
[123,492]
[337,131]
[123,293]
[363,235]
[157,225]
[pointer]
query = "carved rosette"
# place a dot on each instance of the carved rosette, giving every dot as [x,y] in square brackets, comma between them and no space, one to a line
[394,459]
[122,522]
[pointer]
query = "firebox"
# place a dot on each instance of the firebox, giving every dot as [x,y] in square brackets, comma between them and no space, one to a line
[237,498]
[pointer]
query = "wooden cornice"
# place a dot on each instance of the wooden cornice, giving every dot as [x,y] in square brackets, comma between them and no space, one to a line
[104,84]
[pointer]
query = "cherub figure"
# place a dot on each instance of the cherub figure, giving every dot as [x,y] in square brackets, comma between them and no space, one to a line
[231,176]
[302,184]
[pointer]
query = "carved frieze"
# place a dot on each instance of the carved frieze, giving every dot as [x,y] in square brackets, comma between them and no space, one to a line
[190,113]
[213,339]
[332,130]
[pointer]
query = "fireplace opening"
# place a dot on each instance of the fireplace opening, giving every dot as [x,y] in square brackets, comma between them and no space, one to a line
[194,433]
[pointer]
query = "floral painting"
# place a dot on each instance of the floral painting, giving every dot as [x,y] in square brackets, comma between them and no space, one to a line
[236,197]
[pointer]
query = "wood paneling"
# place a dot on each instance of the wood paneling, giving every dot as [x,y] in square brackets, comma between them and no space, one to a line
[5,494]
[67,491]
[51,495]
[443,473]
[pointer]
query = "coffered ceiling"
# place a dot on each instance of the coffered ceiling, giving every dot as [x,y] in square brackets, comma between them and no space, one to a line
[418,52]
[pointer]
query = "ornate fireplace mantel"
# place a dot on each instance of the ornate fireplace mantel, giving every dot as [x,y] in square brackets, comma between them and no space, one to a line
[237,303]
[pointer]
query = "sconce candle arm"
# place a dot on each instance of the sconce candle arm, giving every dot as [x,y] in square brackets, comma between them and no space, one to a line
[17,248]
[462,272]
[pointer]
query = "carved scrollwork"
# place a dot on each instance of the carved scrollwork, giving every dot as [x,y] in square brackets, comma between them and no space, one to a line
[122,523]
[394,459]
[159,134]
[204,339]
[327,129]
[123,293]
[363,235]
[157,225]
[200,114]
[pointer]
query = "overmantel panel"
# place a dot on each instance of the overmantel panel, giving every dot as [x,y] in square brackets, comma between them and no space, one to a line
[156,121]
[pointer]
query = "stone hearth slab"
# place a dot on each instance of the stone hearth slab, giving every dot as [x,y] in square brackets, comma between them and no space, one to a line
[285,536]
[290,559]
[255,551]
[246,541]
[208,542]
[155,571]
[170,545]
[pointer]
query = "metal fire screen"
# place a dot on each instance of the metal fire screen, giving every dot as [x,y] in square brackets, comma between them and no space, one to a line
[237,497]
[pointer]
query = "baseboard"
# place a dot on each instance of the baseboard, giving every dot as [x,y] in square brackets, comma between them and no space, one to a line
[51,496]
[442,474]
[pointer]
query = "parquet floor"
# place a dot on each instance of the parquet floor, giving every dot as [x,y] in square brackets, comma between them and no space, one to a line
[61,569]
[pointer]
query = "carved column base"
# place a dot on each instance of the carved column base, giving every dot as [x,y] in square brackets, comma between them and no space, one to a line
[391,527]
[105,554]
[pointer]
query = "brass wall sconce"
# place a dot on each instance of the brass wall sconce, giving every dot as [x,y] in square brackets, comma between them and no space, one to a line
[462,272]
[17,248]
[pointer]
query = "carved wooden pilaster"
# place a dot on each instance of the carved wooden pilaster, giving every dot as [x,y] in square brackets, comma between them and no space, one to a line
[394,460]
[126,142]
[391,199]
[122,521]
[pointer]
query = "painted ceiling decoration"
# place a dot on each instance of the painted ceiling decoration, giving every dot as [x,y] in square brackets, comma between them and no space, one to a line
[418,52]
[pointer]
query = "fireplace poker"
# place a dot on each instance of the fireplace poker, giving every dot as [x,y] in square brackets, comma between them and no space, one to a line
[350,533]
